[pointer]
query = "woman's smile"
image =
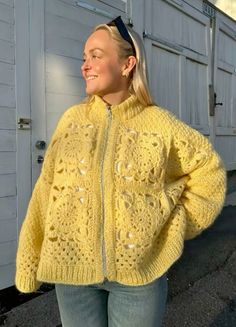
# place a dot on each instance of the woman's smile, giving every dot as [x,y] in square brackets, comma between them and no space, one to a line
[90,77]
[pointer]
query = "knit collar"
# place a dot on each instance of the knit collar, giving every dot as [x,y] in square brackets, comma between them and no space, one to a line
[123,111]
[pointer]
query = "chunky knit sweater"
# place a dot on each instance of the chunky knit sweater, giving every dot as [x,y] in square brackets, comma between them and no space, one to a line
[121,188]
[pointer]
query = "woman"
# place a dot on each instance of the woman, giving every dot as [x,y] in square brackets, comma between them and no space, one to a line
[123,184]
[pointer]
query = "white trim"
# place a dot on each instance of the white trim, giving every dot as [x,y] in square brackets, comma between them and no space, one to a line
[22,82]
[37,73]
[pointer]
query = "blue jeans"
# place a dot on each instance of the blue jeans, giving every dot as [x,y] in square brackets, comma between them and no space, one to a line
[112,304]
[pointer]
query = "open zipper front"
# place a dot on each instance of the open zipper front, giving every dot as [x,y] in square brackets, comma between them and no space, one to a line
[104,268]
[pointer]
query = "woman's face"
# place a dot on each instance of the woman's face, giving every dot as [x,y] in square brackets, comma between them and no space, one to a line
[102,69]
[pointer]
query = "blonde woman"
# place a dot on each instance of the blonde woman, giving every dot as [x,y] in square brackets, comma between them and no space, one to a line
[123,184]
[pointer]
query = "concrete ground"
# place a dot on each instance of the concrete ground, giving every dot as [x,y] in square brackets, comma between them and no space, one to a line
[202,284]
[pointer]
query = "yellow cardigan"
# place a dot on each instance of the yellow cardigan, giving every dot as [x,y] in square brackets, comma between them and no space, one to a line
[120,189]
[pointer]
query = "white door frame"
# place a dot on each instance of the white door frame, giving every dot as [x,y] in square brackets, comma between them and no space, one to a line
[22,82]
[37,85]
[30,97]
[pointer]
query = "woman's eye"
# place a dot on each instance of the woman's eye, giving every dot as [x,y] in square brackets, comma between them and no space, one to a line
[92,57]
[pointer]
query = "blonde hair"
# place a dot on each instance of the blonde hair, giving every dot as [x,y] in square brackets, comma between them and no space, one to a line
[139,81]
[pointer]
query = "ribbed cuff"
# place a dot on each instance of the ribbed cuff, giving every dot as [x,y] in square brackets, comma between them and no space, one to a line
[51,273]
[27,284]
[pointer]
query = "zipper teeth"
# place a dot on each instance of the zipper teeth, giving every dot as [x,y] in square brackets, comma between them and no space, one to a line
[102,192]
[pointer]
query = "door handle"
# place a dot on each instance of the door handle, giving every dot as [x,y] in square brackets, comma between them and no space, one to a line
[40,159]
[40,144]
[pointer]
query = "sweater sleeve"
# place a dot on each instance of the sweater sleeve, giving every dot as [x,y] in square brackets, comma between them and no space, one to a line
[32,230]
[193,158]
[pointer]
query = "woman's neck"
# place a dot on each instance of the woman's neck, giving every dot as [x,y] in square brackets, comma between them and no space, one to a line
[116,98]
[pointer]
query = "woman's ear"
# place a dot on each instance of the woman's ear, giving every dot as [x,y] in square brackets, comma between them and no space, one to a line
[128,66]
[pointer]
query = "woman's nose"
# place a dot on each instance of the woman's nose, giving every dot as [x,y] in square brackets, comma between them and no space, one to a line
[86,65]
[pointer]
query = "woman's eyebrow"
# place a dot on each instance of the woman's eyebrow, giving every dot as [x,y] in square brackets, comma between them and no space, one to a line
[93,49]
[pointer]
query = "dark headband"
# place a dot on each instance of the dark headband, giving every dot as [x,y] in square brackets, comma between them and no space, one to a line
[118,22]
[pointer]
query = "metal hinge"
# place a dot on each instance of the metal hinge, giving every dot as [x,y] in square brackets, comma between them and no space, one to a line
[24,123]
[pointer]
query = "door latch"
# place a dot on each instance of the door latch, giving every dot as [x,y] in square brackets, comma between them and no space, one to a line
[212,100]
[24,123]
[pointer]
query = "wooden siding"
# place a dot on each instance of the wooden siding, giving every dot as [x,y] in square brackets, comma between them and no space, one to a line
[8,193]
[41,72]
[178,54]
[225,88]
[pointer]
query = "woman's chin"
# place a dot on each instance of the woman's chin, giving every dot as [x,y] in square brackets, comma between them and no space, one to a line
[91,91]
[94,92]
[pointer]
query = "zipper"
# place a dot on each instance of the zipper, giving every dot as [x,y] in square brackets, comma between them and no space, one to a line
[104,268]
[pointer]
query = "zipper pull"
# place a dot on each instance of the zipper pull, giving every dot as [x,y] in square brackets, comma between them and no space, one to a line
[109,108]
